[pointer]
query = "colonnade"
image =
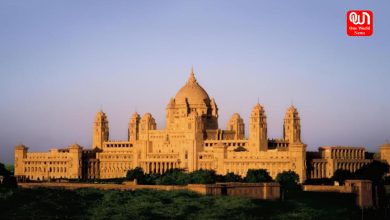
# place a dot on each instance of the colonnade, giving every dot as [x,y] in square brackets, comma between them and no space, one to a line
[350,166]
[93,170]
[348,153]
[318,170]
[158,167]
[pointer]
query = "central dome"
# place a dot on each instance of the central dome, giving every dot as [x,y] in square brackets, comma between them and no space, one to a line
[193,92]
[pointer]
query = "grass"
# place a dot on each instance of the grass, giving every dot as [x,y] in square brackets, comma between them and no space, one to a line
[43,203]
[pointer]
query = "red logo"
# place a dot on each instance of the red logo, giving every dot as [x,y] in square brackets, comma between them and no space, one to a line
[360,23]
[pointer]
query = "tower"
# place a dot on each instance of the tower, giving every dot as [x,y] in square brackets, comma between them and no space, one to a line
[133,131]
[147,124]
[75,169]
[258,128]
[292,126]
[100,130]
[20,155]
[195,129]
[236,124]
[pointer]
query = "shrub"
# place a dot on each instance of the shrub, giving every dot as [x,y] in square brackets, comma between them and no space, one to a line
[342,175]
[136,173]
[374,171]
[257,176]
[203,177]
[232,177]
[288,179]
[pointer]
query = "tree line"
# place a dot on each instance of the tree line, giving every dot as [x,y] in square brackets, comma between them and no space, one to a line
[180,177]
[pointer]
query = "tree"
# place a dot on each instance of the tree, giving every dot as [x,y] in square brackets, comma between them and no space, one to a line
[3,170]
[257,176]
[203,176]
[10,168]
[288,179]
[232,177]
[374,171]
[174,177]
[342,175]
[136,173]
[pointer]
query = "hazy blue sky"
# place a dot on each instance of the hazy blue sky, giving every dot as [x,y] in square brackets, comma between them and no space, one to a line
[61,61]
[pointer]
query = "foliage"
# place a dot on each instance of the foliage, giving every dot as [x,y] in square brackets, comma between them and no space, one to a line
[288,179]
[43,203]
[256,176]
[3,170]
[174,177]
[180,177]
[10,168]
[374,171]
[321,181]
[232,177]
[136,173]
[203,177]
[342,175]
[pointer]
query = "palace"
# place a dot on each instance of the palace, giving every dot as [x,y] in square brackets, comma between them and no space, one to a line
[191,140]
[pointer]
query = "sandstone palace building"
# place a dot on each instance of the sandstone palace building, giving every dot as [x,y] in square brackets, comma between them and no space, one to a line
[191,140]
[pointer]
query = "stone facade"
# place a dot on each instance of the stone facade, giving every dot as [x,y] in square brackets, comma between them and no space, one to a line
[331,158]
[55,164]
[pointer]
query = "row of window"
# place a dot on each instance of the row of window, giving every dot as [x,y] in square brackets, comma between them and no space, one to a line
[119,145]
[239,144]
[254,165]
[40,162]
[249,157]
[43,169]
[115,157]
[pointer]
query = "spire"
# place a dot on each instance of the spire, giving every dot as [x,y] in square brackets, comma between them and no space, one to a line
[192,78]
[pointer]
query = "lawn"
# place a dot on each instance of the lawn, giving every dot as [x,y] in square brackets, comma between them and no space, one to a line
[43,203]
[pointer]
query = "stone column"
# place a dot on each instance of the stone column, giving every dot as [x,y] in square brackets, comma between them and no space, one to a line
[323,170]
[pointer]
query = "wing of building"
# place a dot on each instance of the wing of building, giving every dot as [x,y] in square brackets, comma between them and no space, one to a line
[192,140]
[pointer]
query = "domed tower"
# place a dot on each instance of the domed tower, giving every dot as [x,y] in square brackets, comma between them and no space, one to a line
[133,131]
[258,129]
[292,126]
[100,130]
[192,97]
[236,124]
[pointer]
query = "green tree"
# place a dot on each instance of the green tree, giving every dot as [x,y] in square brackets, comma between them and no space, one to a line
[136,173]
[203,176]
[3,170]
[288,179]
[10,168]
[374,171]
[257,176]
[232,177]
[174,177]
[342,175]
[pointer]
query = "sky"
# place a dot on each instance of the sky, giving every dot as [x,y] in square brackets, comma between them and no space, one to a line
[63,61]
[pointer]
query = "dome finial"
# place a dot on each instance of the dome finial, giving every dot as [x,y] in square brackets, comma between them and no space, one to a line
[192,78]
